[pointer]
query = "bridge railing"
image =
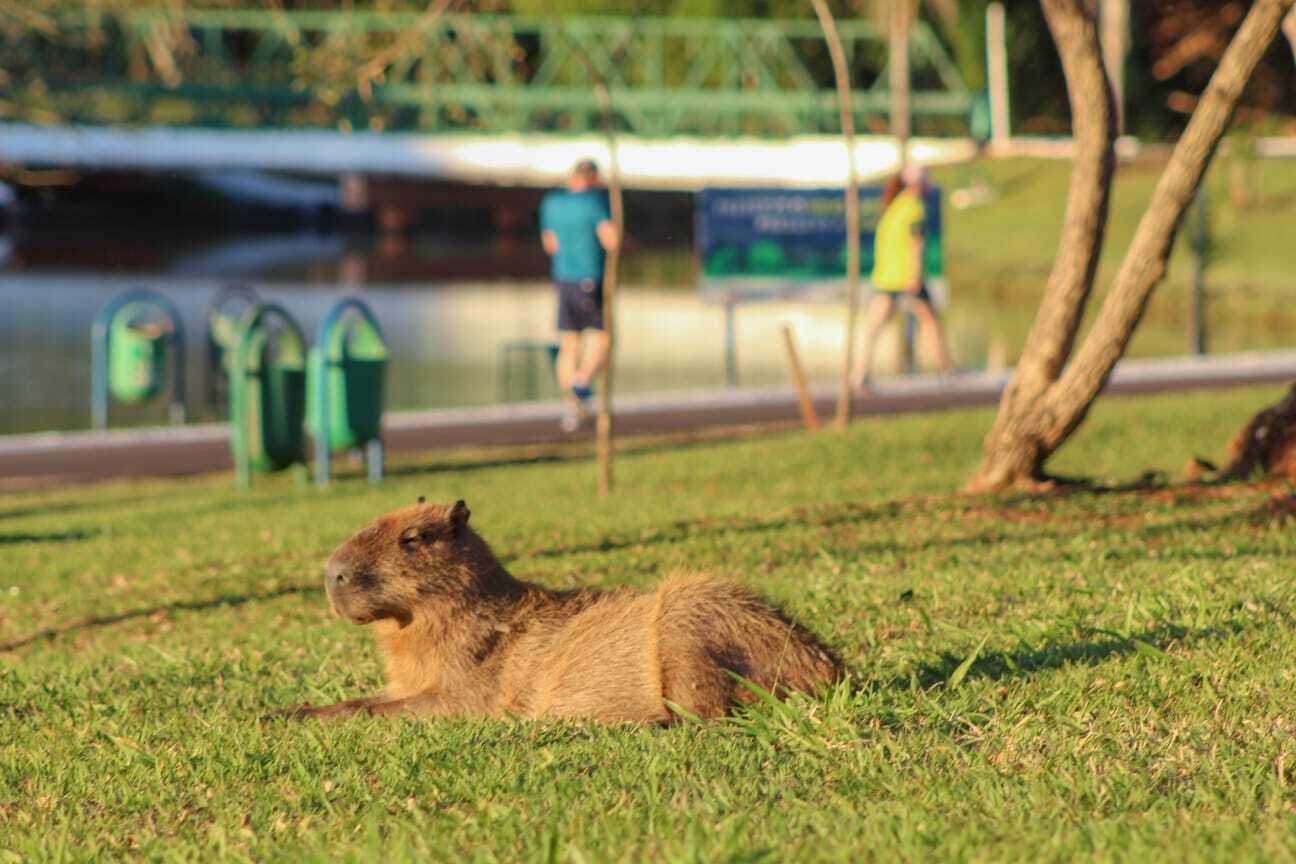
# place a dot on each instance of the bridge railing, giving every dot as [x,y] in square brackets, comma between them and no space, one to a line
[489,73]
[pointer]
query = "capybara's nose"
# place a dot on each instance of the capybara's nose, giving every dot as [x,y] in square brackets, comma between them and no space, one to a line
[335,575]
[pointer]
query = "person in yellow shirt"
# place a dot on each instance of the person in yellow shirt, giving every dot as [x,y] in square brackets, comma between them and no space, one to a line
[899,273]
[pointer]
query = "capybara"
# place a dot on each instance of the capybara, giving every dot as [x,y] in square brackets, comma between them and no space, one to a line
[463,637]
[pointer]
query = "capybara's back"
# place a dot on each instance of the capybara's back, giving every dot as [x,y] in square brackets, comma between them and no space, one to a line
[711,628]
[632,656]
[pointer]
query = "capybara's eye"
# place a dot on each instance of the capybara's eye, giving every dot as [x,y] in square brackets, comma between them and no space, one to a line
[409,537]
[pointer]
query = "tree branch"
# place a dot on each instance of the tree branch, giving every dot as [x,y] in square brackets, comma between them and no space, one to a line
[376,67]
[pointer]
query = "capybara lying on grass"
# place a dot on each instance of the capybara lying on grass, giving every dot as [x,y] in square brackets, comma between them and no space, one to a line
[463,637]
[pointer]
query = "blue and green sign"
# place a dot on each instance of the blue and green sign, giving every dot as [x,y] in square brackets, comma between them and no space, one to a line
[766,243]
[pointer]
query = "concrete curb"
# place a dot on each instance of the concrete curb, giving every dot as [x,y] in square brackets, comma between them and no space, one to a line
[47,458]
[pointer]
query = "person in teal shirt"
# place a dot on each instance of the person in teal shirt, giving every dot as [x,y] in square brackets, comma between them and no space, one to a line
[576,230]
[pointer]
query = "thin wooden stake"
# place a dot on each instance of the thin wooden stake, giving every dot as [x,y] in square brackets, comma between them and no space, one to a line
[809,416]
[852,206]
[603,425]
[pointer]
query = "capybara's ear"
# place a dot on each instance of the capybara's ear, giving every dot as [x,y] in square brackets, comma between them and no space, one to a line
[459,513]
[422,500]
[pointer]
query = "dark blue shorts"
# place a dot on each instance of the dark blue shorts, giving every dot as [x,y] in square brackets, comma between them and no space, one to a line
[580,305]
[923,294]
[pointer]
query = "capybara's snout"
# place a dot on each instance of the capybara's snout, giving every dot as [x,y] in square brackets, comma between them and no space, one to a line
[336,574]
[341,582]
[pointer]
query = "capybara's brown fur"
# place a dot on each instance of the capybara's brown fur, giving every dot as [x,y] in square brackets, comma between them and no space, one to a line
[463,637]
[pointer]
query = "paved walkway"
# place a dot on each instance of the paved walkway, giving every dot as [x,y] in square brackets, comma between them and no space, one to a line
[50,458]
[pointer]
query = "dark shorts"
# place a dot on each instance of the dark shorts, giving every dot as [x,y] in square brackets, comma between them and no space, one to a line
[580,305]
[922,295]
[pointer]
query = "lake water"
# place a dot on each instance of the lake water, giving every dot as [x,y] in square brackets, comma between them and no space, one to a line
[449,312]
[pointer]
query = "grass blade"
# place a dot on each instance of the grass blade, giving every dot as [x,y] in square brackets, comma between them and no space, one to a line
[957,676]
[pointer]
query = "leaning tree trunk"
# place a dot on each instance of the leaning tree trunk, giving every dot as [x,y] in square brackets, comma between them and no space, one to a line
[1011,452]
[1043,403]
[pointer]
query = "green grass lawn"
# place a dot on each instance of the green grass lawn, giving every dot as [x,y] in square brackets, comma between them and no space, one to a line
[999,255]
[1105,675]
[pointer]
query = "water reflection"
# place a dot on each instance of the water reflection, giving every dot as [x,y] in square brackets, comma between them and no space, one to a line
[449,341]
[457,316]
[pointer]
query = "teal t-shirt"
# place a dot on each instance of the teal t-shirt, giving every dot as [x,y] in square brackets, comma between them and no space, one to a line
[573,216]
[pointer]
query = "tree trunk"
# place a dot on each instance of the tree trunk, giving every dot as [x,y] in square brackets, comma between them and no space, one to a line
[1289,28]
[603,422]
[1042,404]
[611,279]
[900,17]
[842,75]
[1011,453]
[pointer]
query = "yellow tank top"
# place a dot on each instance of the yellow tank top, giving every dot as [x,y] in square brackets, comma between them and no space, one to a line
[894,268]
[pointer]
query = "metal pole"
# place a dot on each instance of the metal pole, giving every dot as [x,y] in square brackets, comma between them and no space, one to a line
[1114,25]
[908,330]
[1199,237]
[178,411]
[374,460]
[99,371]
[320,442]
[238,403]
[603,423]
[730,344]
[1197,319]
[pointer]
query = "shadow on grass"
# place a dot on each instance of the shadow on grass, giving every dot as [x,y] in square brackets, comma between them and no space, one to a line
[97,622]
[48,537]
[91,502]
[1102,645]
[502,462]
[578,450]
[716,525]
[852,513]
[1149,483]
[60,507]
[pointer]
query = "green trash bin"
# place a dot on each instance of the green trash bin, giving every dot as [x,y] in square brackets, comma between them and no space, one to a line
[276,401]
[355,369]
[267,394]
[136,356]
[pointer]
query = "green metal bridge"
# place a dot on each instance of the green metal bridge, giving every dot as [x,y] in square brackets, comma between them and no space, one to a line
[492,74]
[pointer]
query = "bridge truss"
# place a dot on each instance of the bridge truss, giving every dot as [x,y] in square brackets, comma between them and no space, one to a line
[263,69]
